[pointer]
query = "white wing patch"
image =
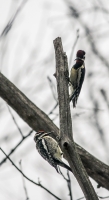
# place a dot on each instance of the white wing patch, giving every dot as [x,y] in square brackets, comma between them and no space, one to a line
[44,145]
[79,74]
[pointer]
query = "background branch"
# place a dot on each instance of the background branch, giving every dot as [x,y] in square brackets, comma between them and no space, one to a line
[15,121]
[24,185]
[38,184]
[13,149]
[68,180]
[11,21]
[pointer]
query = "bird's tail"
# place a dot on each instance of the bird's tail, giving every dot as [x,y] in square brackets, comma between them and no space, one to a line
[62,164]
[74,97]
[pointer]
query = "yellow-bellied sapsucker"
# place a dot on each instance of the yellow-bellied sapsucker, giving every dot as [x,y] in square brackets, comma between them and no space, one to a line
[77,75]
[49,149]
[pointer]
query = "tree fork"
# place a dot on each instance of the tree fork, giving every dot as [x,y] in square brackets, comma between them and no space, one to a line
[67,143]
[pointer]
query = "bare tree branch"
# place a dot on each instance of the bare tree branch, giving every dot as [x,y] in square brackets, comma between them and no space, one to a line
[94,167]
[98,196]
[103,93]
[24,185]
[53,89]
[74,12]
[11,21]
[38,184]
[68,180]
[73,48]
[103,197]
[67,142]
[53,109]
[13,149]
[69,185]
[15,121]
[80,198]
[38,120]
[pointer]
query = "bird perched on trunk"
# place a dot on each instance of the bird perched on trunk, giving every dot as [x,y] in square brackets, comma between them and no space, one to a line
[77,75]
[49,149]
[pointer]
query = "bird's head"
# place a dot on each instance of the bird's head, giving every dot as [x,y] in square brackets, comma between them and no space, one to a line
[38,135]
[80,55]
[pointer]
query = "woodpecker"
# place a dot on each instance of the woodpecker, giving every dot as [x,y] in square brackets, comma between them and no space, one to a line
[77,75]
[49,149]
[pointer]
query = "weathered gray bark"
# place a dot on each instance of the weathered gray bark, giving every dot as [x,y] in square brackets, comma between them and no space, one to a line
[67,143]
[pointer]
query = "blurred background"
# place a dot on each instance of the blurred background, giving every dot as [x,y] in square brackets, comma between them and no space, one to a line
[27,58]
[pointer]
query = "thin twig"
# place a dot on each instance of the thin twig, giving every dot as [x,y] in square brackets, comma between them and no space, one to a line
[97,123]
[53,89]
[38,184]
[80,198]
[102,9]
[91,109]
[6,31]
[12,150]
[24,185]
[69,186]
[103,93]
[15,121]
[53,109]
[103,197]
[75,14]
[73,48]
[11,21]
[68,183]
[98,196]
